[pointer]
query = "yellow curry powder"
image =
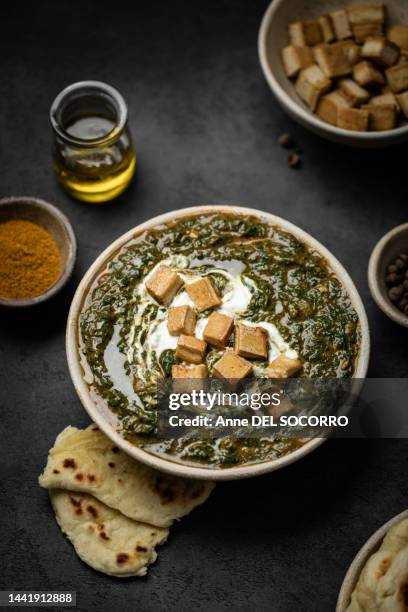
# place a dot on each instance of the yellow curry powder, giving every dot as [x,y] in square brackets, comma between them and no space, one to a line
[30,260]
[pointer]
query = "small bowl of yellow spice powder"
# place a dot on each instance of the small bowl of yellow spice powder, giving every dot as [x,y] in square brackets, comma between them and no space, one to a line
[37,251]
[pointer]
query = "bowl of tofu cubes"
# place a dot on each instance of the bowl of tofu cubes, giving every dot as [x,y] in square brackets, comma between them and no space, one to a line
[341,70]
[202,297]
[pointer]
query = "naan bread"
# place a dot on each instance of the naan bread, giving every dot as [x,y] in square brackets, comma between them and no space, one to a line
[397,537]
[374,570]
[85,460]
[104,538]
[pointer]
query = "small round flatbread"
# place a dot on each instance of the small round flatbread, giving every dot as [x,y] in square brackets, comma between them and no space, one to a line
[374,570]
[85,460]
[103,538]
[392,592]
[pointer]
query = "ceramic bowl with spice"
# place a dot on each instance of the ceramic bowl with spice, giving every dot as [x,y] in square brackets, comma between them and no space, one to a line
[388,274]
[37,251]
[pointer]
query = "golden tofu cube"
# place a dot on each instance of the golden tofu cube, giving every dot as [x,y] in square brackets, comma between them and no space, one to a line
[231,368]
[352,50]
[361,14]
[311,84]
[182,320]
[397,77]
[386,99]
[329,106]
[283,367]
[203,293]
[189,371]
[366,74]
[353,92]
[218,329]
[295,59]
[363,31]
[251,342]
[403,56]
[398,34]
[353,119]
[191,349]
[163,284]
[382,117]
[341,24]
[326,27]
[403,102]
[380,50]
[332,59]
[305,33]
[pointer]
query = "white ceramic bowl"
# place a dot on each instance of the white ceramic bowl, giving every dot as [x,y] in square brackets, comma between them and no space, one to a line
[106,420]
[355,569]
[273,37]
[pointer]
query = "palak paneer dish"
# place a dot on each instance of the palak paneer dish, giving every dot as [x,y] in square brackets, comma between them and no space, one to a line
[211,295]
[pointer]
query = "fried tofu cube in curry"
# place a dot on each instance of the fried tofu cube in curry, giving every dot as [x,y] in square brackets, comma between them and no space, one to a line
[381,116]
[305,33]
[363,31]
[403,102]
[163,284]
[397,77]
[398,34]
[326,28]
[182,320]
[191,349]
[189,371]
[295,59]
[353,92]
[203,293]
[386,99]
[353,119]
[232,368]
[380,50]
[366,74]
[352,51]
[341,24]
[283,367]
[311,84]
[251,342]
[218,329]
[360,14]
[332,59]
[329,106]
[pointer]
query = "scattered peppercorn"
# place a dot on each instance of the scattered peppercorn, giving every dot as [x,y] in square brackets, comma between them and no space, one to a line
[397,281]
[285,141]
[294,160]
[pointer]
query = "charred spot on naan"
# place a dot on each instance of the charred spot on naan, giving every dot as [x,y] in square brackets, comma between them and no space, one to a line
[69,463]
[76,504]
[166,490]
[122,557]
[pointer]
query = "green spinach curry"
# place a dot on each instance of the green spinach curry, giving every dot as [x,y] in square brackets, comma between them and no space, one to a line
[264,275]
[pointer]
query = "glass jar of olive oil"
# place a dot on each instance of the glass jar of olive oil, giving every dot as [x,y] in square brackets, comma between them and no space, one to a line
[93,155]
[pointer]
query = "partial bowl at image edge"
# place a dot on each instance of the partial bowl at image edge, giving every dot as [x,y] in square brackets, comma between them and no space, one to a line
[169,466]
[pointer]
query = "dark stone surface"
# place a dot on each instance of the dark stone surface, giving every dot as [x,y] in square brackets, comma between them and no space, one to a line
[205,127]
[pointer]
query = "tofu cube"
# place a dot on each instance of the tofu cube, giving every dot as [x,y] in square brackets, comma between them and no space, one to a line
[191,349]
[305,33]
[366,74]
[360,14]
[203,293]
[218,329]
[182,320]
[326,28]
[329,106]
[403,56]
[283,367]
[381,117]
[380,50]
[362,31]
[189,371]
[163,284]
[353,92]
[397,77]
[387,99]
[352,50]
[295,59]
[311,84]
[231,368]
[398,34]
[332,59]
[341,24]
[251,342]
[353,119]
[403,102]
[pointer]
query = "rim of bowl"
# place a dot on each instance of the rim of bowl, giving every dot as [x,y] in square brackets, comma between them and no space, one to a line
[359,561]
[295,107]
[172,467]
[71,239]
[374,265]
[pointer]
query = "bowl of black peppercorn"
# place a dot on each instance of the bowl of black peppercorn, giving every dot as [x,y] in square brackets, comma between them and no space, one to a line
[388,274]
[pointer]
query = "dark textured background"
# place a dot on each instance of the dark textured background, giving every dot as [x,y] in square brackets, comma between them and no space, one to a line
[205,127]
